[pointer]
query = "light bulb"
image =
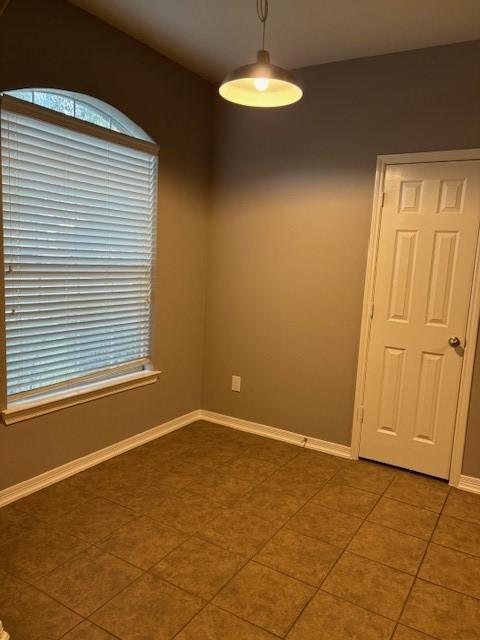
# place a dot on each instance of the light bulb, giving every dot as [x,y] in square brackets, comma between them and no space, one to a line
[261,84]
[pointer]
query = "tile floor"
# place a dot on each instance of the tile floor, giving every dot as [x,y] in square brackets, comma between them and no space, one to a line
[214,534]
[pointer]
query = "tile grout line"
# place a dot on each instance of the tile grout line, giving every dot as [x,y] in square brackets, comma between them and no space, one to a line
[252,558]
[334,564]
[295,620]
[338,470]
[91,545]
[77,626]
[420,564]
[144,572]
[247,560]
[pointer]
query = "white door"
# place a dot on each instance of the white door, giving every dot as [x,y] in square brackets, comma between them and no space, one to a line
[423,281]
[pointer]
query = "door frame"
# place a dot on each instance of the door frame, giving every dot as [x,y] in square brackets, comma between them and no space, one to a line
[473,319]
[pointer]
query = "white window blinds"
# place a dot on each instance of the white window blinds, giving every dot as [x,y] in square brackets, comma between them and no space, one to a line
[78,232]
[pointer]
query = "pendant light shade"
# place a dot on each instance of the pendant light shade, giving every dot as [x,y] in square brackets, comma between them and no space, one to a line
[261,84]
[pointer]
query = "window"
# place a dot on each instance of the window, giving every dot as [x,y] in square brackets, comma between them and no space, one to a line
[82,107]
[79,205]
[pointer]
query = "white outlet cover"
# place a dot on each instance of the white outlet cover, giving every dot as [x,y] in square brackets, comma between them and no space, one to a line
[236,383]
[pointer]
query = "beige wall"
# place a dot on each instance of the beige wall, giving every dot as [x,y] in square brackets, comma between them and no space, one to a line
[290,224]
[50,43]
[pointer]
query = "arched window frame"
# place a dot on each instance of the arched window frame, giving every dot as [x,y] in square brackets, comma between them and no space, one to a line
[82,107]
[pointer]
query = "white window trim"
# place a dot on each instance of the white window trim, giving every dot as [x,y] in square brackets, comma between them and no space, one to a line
[15,105]
[32,407]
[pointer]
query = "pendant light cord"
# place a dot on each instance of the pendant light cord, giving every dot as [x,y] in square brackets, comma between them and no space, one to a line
[262,12]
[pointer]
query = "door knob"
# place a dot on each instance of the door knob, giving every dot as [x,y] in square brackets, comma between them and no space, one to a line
[454,342]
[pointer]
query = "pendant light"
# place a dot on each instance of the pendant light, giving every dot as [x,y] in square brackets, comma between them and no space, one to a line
[261,84]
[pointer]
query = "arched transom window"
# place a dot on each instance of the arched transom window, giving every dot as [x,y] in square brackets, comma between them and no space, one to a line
[78,105]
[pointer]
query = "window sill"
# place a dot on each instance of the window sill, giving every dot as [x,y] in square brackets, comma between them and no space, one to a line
[26,409]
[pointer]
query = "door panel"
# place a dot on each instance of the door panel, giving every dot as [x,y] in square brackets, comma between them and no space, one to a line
[402,275]
[423,281]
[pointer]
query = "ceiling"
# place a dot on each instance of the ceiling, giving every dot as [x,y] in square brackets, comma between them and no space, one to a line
[212,36]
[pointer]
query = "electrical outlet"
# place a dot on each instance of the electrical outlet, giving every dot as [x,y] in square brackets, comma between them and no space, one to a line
[236,383]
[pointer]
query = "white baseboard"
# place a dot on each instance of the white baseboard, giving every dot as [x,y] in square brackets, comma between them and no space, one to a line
[469,483]
[277,434]
[334,449]
[22,489]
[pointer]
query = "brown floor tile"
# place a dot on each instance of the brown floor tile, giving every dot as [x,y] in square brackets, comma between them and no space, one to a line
[365,475]
[139,500]
[212,455]
[236,489]
[142,542]
[10,586]
[452,569]
[148,608]
[169,475]
[13,520]
[270,504]
[310,457]
[404,633]
[295,482]
[330,618]
[463,505]
[119,487]
[194,472]
[31,613]
[421,491]
[273,451]
[442,613]
[458,534]
[314,468]
[250,469]
[79,483]
[88,580]
[390,547]
[184,511]
[36,553]
[330,526]
[235,531]
[242,438]
[227,443]
[222,489]
[94,479]
[300,557]
[265,597]
[199,567]
[404,517]
[96,519]
[51,503]
[204,477]
[346,499]
[214,624]
[126,485]
[369,584]
[88,631]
